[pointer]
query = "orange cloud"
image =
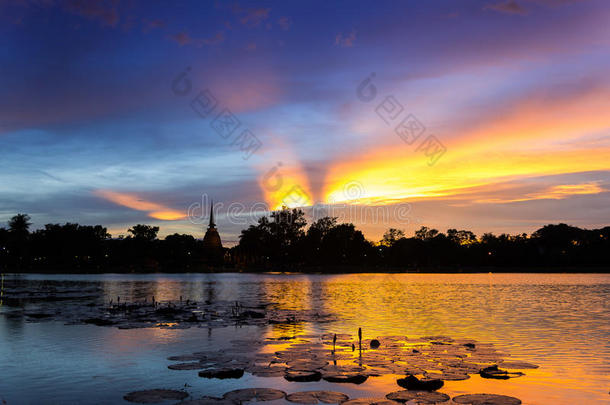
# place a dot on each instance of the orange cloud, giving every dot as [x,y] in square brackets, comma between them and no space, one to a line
[542,135]
[540,120]
[388,177]
[155,210]
[558,192]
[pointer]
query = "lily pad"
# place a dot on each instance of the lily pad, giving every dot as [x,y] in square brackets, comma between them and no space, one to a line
[518,365]
[303,376]
[186,366]
[461,367]
[305,365]
[370,401]
[186,357]
[96,321]
[495,373]
[267,371]
[420,384]
[345,368]
[486,399]
[313,397]
[208,401]
[259,394]
[222,373]
[420,397]
[354,378]
[448,376]
[153,396]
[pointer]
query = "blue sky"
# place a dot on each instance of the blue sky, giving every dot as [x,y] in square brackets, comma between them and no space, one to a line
[515,91]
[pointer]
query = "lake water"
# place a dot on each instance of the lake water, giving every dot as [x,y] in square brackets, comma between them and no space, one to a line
[560,322]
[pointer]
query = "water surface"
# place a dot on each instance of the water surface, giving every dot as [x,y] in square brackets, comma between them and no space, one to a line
[558,321]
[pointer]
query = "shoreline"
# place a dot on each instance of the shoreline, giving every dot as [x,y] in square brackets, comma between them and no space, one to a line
[323,270]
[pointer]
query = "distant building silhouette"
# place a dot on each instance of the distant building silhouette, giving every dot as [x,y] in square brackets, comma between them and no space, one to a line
[212,244]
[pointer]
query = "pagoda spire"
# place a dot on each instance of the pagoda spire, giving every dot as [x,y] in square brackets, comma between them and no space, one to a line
[211,241]
[212,224]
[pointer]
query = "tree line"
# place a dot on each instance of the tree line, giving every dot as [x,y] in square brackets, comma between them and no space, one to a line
[74,247]
[284,241]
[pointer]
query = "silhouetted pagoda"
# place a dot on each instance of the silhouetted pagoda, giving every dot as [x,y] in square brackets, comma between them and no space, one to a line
[212,245]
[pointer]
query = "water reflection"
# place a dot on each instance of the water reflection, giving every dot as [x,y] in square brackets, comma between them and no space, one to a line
[561,322]
[1,289]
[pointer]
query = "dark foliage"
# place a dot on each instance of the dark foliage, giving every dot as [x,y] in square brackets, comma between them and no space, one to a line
[73,247]
[552,246]
[282,240]
[328,245]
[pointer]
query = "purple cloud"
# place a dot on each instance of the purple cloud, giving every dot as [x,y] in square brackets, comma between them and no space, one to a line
[285,23]
[182,38]
[345,41]
[101,10]
[150,25]
[508,7]
[216,39]
[252,17]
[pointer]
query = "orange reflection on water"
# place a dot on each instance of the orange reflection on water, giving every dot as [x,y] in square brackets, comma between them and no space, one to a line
[526,316]
[555,321]
[292,295]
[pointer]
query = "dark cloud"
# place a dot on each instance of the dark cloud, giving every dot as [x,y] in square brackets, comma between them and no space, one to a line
[285,23]
[150,25]
[252,17]
[216,39]
[554,3]
[346,41]
[104,11]
[508,7]
[182,38]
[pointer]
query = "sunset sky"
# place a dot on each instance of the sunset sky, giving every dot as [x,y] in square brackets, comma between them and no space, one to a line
[508,104]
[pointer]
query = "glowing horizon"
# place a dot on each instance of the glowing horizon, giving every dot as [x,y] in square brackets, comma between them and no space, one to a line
[522,115]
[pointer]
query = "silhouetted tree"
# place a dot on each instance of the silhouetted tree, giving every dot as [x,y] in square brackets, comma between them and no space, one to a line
[391,236]
[180,251]
[425,233]
[320,228]
[4,247]
[406,252]
[275,239]
[461,237]
[145,232]
[344,244]
[70,245]
[18,245]
[314,238]
[559,243]
[255,241]
[19,224]
[286,228]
